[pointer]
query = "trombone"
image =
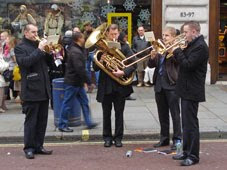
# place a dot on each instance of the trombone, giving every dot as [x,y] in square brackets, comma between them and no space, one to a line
[159,47]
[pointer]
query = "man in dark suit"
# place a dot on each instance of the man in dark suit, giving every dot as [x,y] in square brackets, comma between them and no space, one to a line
[35,90]
[111,92]
[165,77]
[191,89]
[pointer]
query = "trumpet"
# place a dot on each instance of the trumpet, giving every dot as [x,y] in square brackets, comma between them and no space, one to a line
[52,48]
[46,48]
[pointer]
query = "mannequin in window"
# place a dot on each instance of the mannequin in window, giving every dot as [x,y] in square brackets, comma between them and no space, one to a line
[21,20]
[54,21]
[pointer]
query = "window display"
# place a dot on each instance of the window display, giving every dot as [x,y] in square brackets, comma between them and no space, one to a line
[56,17]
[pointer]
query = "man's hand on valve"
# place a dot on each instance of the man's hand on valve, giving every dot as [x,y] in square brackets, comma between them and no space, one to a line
[118,73]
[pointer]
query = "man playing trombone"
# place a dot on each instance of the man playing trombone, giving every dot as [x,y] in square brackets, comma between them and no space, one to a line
[164,79]
[191,89]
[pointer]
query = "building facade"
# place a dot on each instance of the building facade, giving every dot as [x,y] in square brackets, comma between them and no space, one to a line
[152,14]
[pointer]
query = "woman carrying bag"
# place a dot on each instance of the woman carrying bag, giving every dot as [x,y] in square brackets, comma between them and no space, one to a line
[3,66]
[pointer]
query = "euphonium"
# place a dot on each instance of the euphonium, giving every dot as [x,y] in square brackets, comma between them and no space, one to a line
[112,61]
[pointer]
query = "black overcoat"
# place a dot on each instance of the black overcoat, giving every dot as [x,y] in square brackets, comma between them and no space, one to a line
[33,64]
[105,79]
[193,67]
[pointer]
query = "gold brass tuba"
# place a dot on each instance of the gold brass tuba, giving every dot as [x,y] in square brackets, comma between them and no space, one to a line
[112,61]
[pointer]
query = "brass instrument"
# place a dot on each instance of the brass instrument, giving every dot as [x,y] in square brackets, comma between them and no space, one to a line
[178,41]
[156,46]
[159,47]
[53,48]
[112,61]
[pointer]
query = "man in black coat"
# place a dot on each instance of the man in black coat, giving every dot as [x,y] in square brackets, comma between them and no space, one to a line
[165,77]
[35,90]
[111,92]
[75,79]
[191,89]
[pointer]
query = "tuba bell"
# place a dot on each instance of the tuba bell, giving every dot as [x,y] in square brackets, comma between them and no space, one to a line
[113,60]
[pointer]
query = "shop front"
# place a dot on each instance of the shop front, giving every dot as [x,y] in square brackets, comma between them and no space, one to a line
[73,13]
[152,14]
[222,38]
[212,16]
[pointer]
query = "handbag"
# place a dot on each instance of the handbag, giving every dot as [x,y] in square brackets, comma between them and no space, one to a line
[16,73]
[3,65]
[8,75]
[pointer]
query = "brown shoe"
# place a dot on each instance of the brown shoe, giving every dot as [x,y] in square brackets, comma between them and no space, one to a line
[2,110]
[91,88]
[147,85]
[139,85]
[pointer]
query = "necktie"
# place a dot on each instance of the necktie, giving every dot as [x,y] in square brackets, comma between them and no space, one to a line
[161,65]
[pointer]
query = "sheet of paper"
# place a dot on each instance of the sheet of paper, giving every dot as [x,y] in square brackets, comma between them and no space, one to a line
[53,39]
[149,36]
[113,44]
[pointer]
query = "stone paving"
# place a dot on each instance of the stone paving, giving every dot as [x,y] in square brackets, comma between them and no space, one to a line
[140,118]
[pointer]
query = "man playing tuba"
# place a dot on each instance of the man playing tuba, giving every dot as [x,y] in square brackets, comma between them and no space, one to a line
[112,92]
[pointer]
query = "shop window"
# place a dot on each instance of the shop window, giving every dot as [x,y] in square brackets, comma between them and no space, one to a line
[76,12]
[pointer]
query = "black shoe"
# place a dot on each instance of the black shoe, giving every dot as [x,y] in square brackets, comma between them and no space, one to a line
[130,98]
[29,155]
[92,126]
[159,144]
[188,162]
[173,147]
[118,143]
[108,143]
[66,129]
[43,151]
[179,157]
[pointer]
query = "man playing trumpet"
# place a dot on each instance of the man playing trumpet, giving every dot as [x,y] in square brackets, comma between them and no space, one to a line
[164,79]
[191,89]
[35,90]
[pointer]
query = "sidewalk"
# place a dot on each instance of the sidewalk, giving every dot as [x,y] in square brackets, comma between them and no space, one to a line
[140,118]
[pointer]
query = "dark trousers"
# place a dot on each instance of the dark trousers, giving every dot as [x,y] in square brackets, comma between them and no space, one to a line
[119,105]
[190,124]
[36,115]
[167,100]
[72,92]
